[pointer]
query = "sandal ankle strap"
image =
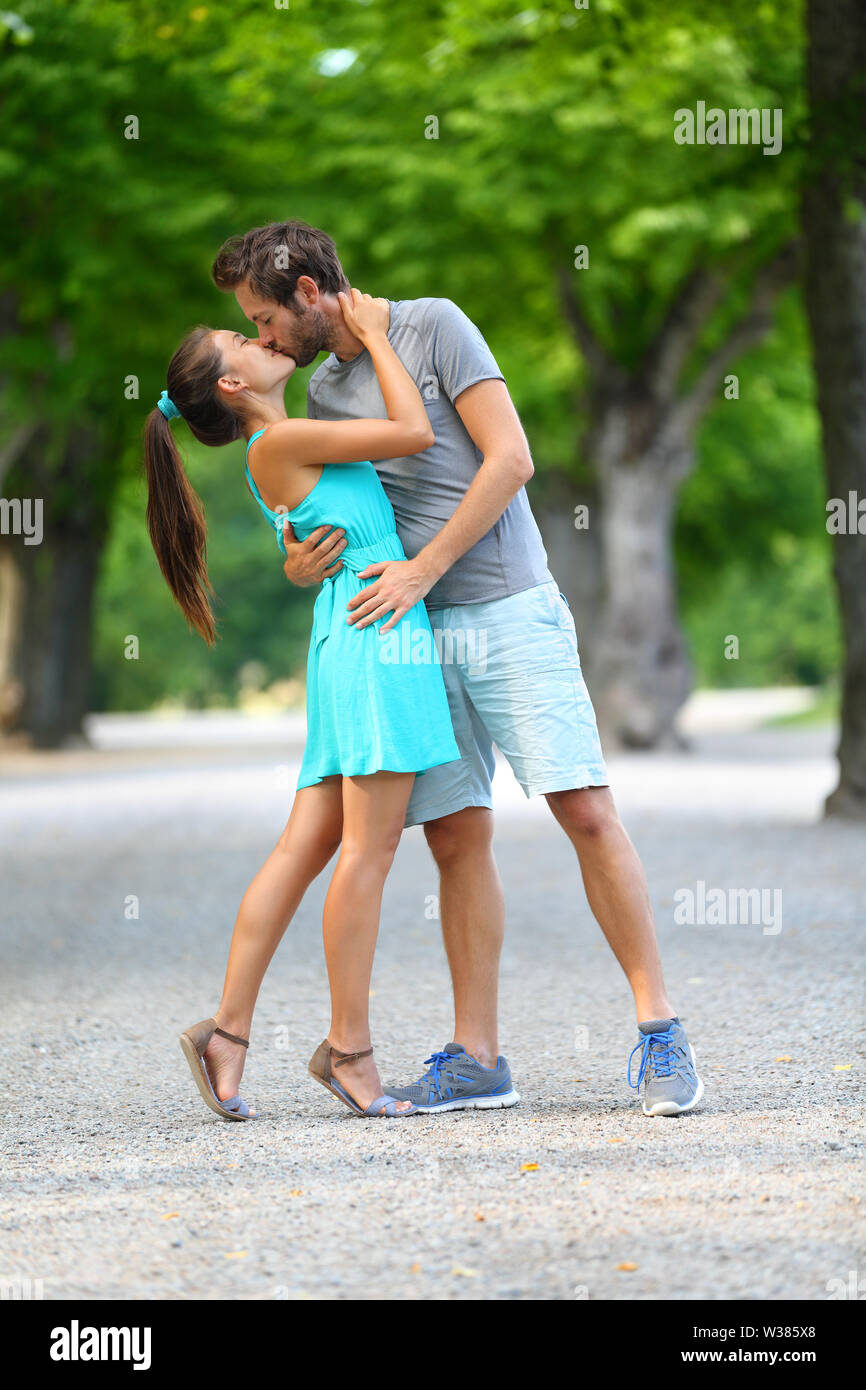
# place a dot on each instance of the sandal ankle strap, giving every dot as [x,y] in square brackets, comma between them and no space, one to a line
[348,1056]
[244,1042]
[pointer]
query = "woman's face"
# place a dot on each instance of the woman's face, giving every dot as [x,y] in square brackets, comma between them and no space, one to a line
[246,361]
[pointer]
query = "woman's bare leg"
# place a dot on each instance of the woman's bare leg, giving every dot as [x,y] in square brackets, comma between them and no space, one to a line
[311,837]
[374,808]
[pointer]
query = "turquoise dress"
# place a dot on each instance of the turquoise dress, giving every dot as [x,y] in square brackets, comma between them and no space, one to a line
[373,703]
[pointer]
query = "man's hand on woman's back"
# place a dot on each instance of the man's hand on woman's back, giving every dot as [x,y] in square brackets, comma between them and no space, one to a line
[309,562]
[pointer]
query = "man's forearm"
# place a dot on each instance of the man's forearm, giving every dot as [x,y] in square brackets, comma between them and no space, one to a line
[496,483]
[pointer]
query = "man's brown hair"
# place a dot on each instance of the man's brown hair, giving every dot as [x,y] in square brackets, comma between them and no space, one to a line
[273,258]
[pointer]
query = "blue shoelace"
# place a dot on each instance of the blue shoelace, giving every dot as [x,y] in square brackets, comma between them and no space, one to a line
[436,1063]
[663,1059]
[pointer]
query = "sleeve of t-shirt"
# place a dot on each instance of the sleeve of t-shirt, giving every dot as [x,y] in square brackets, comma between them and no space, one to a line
[311,403]
[459,354]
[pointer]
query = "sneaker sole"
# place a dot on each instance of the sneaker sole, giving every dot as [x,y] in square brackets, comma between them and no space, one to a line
[473,1103]
[670,1107]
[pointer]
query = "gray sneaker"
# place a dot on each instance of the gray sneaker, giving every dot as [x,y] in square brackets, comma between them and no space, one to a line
[667,1067]
[455,1081]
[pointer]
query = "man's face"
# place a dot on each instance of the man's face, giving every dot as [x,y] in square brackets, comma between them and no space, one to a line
[300,331]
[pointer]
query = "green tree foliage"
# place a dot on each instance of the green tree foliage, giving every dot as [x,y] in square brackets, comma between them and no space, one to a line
[555,128]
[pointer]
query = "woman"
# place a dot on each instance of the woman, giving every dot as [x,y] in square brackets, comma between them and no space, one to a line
[372,725]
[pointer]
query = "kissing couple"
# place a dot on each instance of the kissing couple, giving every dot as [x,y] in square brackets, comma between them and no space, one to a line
[402,494]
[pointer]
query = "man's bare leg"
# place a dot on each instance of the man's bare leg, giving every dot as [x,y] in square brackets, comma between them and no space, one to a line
[616,888]
[472,911]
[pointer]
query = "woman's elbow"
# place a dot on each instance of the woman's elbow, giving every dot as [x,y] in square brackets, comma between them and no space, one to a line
[419,439]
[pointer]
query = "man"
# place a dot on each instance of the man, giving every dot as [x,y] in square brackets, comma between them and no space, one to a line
[477,559]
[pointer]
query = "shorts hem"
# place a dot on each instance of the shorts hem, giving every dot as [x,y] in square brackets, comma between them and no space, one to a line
[443,808]
[594,776]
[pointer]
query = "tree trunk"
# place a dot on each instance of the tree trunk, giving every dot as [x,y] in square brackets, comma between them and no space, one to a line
[574,555]
[46,603]
[640,445]
[46,606]
[641,667]
[834,223]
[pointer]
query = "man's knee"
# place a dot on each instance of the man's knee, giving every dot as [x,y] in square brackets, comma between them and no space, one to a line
[586,812]
[463,834]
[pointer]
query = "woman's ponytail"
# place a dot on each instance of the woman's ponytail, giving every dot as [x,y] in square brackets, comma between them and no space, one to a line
[177,527]
[175,518]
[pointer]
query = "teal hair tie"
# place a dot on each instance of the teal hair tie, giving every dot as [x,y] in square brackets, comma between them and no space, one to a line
[168,407]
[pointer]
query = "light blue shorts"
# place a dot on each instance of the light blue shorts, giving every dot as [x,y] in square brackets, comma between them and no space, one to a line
[513,677]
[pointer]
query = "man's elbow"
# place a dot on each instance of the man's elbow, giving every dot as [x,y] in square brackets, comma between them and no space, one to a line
[522,466]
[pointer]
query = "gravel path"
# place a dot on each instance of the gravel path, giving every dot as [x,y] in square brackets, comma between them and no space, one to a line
[118,1183]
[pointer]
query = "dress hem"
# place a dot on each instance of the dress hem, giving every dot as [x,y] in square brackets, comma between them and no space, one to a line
[370,771]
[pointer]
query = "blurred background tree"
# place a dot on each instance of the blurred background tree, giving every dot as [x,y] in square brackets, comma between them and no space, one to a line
[553,130]
[110,208]
[834,227]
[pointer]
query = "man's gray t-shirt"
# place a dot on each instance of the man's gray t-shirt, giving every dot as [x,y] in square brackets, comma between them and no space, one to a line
[445,353]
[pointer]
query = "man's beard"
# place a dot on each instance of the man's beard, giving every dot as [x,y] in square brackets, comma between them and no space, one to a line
[314,334]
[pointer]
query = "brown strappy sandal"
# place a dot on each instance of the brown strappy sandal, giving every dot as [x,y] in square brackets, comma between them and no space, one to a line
[193,1042]
[320,1067]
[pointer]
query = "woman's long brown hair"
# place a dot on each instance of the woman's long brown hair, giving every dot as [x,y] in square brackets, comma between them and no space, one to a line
[175,518]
